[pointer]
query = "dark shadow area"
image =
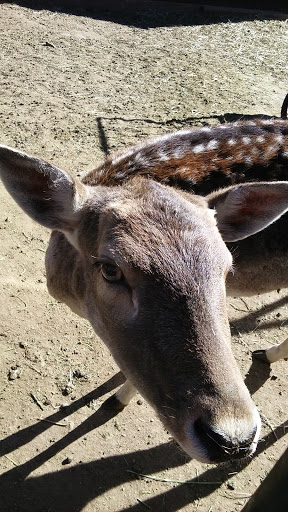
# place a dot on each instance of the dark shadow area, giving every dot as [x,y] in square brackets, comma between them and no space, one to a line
[175,498]
[104,145]
[26,435]
[259,371]
[151,14]
[272,493]
[70,489]
[257,375]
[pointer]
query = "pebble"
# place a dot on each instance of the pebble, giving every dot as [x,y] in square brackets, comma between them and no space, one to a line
[68,460]
[14,373]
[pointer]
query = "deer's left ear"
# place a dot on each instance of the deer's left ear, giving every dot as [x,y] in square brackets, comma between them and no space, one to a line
[44,192]
[243,210]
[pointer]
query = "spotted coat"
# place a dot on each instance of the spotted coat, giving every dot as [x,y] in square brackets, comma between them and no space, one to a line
[203,159]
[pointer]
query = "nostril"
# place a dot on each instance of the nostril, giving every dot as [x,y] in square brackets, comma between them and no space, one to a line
[221,447]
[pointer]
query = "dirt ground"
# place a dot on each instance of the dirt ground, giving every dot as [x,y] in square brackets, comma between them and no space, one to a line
[75,86]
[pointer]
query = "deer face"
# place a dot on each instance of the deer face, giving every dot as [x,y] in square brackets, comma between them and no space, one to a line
[156,267]
[146,264]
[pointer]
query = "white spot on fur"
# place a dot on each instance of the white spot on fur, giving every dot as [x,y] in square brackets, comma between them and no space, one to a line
[121,175]
[139,160]
[271,149]
[279,139]
[212,144]
[138,157]
[163,157]
[248,160]
[246,140]
[199,148]
[232,142]
[260,138]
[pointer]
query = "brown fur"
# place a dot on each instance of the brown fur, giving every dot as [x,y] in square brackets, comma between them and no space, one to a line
[258,160]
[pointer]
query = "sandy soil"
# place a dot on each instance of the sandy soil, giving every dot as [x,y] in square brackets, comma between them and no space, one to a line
[74,87]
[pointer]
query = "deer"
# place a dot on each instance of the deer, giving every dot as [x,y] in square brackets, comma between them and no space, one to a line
[142,245]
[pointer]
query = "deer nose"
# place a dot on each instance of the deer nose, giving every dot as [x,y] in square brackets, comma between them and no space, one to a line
[221,447]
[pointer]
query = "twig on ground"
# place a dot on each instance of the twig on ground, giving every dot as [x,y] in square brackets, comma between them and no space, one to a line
[237,497]
[238,309]
[36,401]
[33,368]
[189,482]
[144,504]
[245,303]
[19,298]
[11,460]
[53,422]
[265,419]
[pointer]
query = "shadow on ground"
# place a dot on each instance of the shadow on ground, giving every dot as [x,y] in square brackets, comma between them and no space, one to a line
[71,488]
[149,14]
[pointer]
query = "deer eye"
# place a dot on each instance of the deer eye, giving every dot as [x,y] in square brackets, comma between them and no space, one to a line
[111,273]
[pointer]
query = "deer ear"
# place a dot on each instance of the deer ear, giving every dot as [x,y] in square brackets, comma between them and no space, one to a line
[243,210]
[44,192]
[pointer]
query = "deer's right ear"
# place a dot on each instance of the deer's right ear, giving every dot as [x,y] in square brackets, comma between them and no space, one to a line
[44,192]
[243,210]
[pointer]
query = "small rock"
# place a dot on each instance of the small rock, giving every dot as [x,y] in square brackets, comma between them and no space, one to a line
[50,45]
[14,373]
[231,485]
[78,374]
[67,390]
[68,460]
